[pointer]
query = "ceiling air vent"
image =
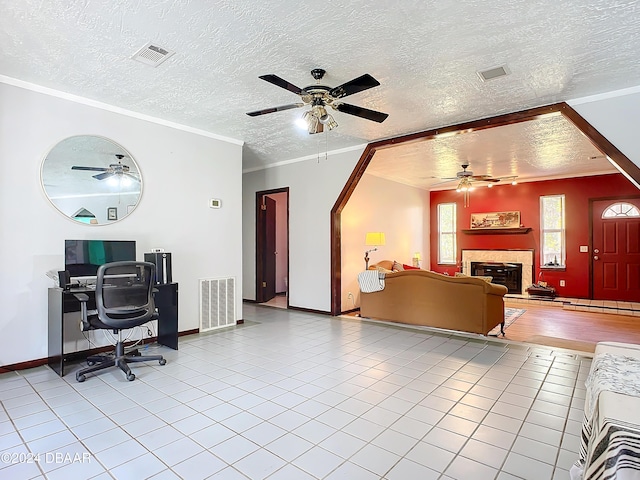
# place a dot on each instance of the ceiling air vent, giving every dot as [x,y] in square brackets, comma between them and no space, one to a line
[152,55]
[493,73]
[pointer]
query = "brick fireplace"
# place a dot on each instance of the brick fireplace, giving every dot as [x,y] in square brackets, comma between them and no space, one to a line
[522,257]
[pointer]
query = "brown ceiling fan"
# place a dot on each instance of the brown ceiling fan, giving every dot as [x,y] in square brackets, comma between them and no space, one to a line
[321,96]
[467,177]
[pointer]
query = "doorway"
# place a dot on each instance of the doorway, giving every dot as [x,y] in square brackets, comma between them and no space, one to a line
[615,249]
[272,247]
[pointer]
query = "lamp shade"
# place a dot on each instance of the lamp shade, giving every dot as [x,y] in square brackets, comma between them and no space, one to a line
[375,239]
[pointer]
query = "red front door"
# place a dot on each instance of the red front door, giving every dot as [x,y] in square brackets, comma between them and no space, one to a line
[616,253]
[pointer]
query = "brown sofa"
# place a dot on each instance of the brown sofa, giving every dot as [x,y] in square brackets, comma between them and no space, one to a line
[420,297]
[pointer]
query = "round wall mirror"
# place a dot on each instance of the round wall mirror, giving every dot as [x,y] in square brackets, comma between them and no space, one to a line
[91,180]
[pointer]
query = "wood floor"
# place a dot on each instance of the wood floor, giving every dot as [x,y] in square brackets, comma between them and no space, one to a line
[575,330]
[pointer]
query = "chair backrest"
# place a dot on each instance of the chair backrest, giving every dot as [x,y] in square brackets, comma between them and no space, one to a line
[124,297]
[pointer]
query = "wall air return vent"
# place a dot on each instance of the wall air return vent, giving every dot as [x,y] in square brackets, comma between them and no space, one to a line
[493,73]
[217,303]
[152,55]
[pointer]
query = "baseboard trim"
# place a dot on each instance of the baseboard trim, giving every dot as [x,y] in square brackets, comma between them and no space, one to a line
[189,332]
[83,353]
[309,310]
[347,312]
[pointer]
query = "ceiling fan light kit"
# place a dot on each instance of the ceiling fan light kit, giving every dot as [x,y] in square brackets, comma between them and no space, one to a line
[320,97]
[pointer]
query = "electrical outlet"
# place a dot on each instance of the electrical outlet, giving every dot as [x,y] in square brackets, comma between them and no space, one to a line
[350,295]
[562,283]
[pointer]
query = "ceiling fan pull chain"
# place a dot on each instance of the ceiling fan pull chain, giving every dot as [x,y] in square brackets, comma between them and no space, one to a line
[326,145]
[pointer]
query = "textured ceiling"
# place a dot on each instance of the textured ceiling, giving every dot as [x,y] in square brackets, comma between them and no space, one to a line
[425,55]
[544,148]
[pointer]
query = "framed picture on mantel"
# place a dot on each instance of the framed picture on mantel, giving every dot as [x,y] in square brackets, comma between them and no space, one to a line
[495,220]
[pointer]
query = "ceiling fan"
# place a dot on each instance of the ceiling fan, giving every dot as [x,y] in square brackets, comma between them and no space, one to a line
[117,169]
[467,178]
[321,96]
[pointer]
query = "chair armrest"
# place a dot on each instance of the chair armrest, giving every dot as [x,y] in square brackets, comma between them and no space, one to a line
[82,297]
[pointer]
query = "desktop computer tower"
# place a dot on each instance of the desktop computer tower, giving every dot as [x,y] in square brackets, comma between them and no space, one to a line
[162,261]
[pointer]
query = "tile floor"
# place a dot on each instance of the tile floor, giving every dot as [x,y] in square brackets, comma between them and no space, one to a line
[612,307]
[293,395]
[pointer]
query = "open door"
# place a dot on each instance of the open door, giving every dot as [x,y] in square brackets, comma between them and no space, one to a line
[616,249]
[266,250]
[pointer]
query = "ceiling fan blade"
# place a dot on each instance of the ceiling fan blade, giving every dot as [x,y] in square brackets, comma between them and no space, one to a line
[93,169]
[279,82]
[356,85]
[102,176]
[132,176]
[444,180]
[362,112]
[482,178]
[275,109]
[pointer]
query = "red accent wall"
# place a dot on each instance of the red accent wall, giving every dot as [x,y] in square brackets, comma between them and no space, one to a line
[525,198]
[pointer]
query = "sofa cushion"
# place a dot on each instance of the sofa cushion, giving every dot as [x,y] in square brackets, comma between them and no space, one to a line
[397,267]
[384,270]
[409,267]
[485,278]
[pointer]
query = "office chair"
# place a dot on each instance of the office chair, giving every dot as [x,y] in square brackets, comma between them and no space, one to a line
[124,299]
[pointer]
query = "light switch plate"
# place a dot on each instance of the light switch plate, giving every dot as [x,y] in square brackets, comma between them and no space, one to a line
[584,248]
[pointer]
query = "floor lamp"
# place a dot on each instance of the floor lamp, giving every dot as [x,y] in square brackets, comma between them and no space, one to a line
[375,240]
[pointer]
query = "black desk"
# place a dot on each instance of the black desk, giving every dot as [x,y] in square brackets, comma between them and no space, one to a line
[64,301]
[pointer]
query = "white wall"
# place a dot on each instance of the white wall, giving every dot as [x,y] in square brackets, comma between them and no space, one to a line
[180,170]
[314,186]
[616,117]
[380,205]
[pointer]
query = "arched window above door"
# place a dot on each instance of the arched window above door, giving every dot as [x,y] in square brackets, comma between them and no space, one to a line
[621,210]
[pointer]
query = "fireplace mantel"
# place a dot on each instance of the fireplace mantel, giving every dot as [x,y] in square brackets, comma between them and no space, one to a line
[496,231]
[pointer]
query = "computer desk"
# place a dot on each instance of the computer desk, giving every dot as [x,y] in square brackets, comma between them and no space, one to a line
[64,301]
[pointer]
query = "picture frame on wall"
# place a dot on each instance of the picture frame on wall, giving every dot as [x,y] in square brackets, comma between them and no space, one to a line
[495,220]
[112,213]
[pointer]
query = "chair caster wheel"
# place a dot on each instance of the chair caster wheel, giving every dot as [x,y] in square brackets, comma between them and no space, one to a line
[131,377]
[162,361]
[80,378]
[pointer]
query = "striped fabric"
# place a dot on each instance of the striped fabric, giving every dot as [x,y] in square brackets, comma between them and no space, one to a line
[616,452]
[610,448]
[371,281]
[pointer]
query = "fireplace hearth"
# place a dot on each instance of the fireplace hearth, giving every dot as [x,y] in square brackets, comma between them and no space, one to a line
[507,274]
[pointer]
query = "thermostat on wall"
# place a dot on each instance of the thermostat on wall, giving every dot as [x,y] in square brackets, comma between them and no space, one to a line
[215,203]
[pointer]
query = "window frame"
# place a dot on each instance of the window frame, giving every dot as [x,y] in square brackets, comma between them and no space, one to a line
[562,230]
[632,211]
[453,234]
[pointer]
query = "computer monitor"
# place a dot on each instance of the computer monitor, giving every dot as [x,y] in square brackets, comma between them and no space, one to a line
[83,257]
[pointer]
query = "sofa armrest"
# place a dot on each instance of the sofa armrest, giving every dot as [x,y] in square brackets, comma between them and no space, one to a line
[495,289]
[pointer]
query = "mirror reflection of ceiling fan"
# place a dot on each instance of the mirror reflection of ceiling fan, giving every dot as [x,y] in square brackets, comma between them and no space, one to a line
[119,170]
[320,97]
[466,180]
